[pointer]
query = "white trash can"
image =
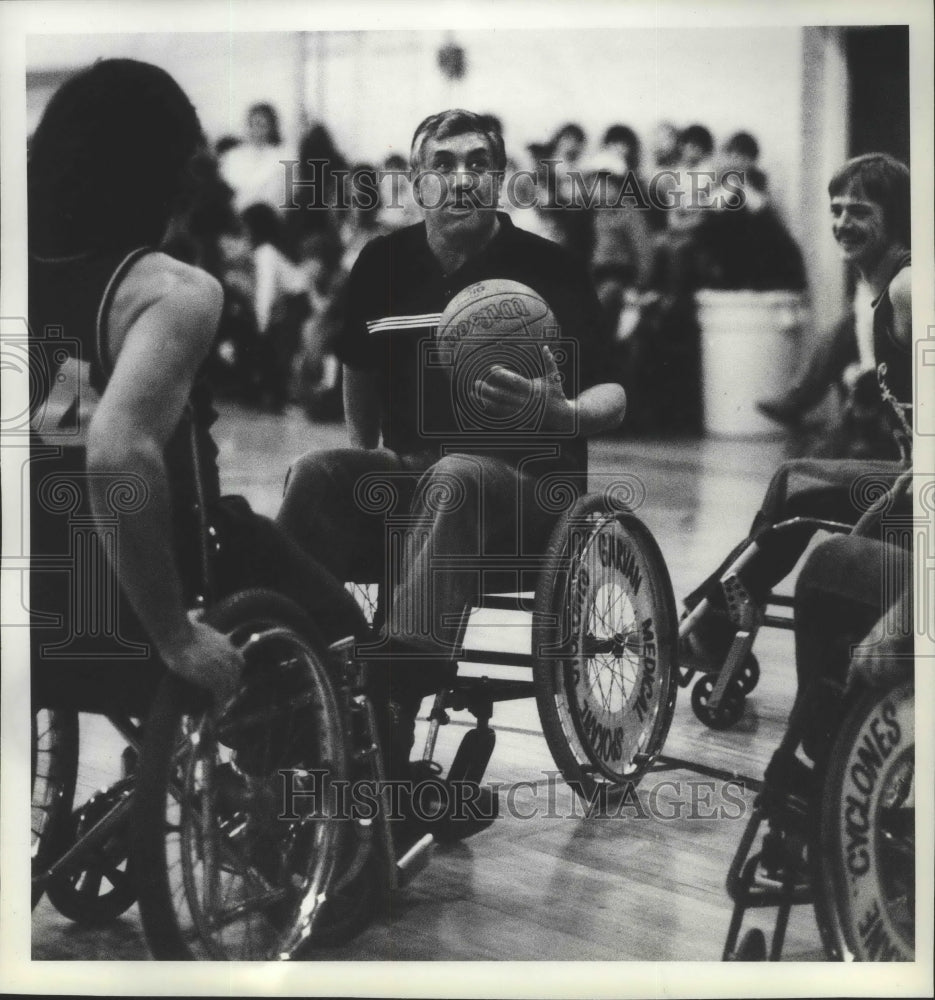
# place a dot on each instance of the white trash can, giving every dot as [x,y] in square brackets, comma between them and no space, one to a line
[750,343]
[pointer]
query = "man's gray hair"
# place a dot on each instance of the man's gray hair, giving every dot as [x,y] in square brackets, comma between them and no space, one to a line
[457,121]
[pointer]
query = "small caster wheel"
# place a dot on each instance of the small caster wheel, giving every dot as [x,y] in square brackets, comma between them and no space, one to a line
[749,675]
[752,947]
[102,888]
[727,713]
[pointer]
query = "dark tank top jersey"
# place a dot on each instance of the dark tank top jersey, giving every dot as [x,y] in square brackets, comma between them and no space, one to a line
[69,302]
[897,375]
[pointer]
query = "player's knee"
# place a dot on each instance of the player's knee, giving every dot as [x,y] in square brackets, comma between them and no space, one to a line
[453,482]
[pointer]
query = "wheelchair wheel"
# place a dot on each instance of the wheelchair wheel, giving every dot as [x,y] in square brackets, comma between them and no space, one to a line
[102,888]
[234,839]
[54,759]
[605,642]
[865,878]
[730,709]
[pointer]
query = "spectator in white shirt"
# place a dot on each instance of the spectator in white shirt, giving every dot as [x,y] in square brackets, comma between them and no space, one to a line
[254,168]
[280,302]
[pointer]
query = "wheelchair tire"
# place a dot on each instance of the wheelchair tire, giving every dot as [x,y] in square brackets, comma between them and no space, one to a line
[730,709]
[749,675]
[752,947]
[102,888]
[54,766]
[864,864]
[605,642]
[223,865]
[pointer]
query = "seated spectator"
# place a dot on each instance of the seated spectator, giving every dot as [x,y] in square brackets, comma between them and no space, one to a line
[743,242]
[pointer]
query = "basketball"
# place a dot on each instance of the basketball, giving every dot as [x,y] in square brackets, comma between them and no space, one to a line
[495,323]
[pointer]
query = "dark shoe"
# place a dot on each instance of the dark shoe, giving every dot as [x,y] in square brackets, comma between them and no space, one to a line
[705,648]
[450,810]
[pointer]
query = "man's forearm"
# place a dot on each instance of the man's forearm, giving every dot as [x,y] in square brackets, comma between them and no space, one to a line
[600,408]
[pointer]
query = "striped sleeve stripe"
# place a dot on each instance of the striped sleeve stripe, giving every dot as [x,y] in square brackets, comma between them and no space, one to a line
[403,322]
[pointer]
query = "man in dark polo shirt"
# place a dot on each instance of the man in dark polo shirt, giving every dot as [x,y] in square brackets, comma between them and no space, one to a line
[461,492]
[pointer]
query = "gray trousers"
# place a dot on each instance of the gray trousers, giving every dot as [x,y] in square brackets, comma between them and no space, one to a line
[427,532]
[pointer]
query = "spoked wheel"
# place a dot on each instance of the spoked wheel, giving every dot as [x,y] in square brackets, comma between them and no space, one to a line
[605,642]
[235,839]
[101,888]
[865,903]
[54,761]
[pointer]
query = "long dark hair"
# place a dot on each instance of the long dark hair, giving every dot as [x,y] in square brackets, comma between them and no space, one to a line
[109,160]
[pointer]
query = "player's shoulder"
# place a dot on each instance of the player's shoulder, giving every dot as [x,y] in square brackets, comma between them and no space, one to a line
[157,276]
[900,288]
[189,298]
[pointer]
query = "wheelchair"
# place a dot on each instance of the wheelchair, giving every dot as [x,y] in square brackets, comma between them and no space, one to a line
[844,842]
[603,651]
[229,831]
[840,836]
[196,829]
[718,696]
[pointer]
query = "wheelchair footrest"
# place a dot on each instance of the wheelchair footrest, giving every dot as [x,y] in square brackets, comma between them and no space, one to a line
[473,756]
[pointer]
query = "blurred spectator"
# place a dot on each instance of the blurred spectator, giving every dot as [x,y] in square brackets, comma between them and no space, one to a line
[740,154]
[280,303]
[399,208]
[321,171]
[564,208]
[662,183]
[225,144]
[361,221]
[318,370]
[743,242]
[529,197]
[621,258]
[664,369]
[253,168]
[195,231]
[665,145]
[696,145]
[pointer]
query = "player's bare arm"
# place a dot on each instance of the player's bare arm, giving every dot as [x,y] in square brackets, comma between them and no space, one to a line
[164,321]
[901,298]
